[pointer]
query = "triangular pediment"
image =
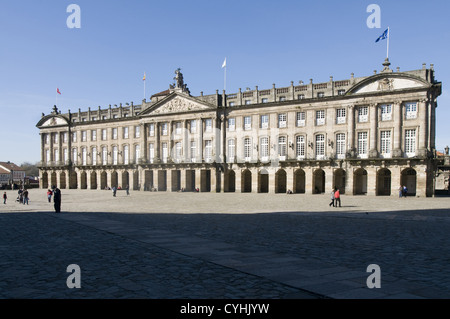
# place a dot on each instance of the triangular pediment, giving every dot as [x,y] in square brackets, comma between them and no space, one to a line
[387,83]
[50,120]
[178,103]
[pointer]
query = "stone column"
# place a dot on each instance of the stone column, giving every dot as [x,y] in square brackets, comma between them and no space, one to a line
[351,128]
[199,140]
[290,178]
[398,122]
[158,141]
[42,150]
[272,179]
[183,178]
[214,173]
[329,179]
[60,147]
[238,181]
[143,144]
[169,175]
[373,148]
[349,182]
[198,178]
[254,180]
[309,176]
[423,129]
[88,179]
[371,181]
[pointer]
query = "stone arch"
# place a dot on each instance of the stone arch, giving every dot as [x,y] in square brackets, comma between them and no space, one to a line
[383,182]
[125,179]
[73,180]
[360,182]
[45,180]
[53,179]
[62,180]
[246,181]
[280,181]
[299,182]
[93,180]
[83,180]
[318,181]
[339,177]
[230,181]
[409,178]
[114,179]
[103,180]
[263,181]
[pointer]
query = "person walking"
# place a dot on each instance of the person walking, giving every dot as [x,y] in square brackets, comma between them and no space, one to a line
[57,199]
[337,198]
[405,191]
[49,195]
[332,198]
[400,191]
[25,196]
[128,190]
[114,189]
[5,197]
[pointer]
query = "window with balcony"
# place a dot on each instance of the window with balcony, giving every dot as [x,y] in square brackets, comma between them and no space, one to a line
[320,117]
[411,110]
[410,142]
[341,116]
[247,123]
[363,145]
[320,146]
[300,148]
[282,120]
[232,124]
[264,149]
[386,112]
[385,143]
[264,121]
[363,114]
[340,145]
[301,119]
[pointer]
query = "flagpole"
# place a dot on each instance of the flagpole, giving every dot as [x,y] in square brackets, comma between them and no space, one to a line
[225,79]
[388,37]
[145,80]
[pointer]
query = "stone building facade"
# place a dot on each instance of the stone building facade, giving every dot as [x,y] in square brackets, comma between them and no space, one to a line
[365,135]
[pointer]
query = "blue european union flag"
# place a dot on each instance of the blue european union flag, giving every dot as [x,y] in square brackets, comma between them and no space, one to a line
[383,36]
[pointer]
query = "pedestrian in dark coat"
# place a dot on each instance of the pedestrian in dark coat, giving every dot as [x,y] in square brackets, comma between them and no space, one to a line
[57,199]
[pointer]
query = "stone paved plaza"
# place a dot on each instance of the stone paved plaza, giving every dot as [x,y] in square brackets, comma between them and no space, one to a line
[215,246]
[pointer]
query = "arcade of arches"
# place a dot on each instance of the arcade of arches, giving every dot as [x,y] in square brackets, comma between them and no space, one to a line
[307,180]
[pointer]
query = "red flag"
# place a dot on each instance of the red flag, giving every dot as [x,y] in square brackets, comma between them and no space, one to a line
[57,91]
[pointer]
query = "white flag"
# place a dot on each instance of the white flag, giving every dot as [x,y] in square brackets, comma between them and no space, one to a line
[224,63]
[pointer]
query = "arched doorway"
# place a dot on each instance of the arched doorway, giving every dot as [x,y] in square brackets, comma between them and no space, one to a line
[125,179]
[384,182]
[263,181]
[114,179]
[280,181]
[136,181]
[104,180]
[53,181]
[299,182]
[339,180]
[246,181]
[230,181]
[62,180]
[45,180]
[409,178]
[205,180]
[148,180]
[83,180]
[318,181]
[73,183]
[93,180]
[360,182]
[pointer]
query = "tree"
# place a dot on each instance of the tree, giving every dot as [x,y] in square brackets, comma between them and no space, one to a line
[30,169]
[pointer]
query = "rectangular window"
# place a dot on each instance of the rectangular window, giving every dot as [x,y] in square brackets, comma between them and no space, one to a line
[65,137]
[231,124]
[137,153]
[94,135]
[151,152]
[193,126]
[320,95]
[282,98]
[56,158]
[341,92]
[55,138]
[282,120]
[208,125]
[320,146]
[264,121]
[320,117]
[410,143]
[264,100]
[178,128]
[94,156]
[66,156]
[83,136]
[248,102]
[74,136]
[300,148]
[247,123]
[340,145]
[165,152]
[104,134]
[301,118]
[114,133]
[75,156]
[247,149]
[178,150]
[104,155]
[137,131]
[282,147]
[264,149]
[363,114]
[231,149]
[193,151]
[385,143]
[115,155]
[164,129]
[300,96]
[47,156]
[126,155]
[411,110]
[125,132]
[386,112]
[362,144]
[208,150]
[151,129]
[341,116]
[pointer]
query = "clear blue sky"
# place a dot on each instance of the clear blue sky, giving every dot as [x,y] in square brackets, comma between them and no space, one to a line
[265,42]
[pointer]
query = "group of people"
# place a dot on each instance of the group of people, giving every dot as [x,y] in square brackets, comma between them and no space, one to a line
[22,196]
[335,197]
[402,191]
[114,190]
